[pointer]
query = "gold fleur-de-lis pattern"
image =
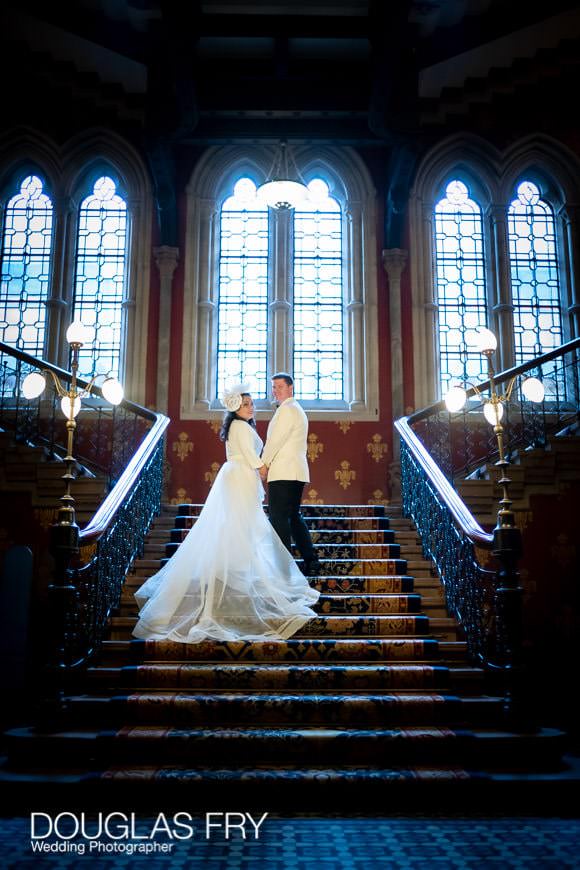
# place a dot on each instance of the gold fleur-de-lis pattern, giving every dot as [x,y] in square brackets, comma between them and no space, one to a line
[211,475]
[344,474]
[315,447]
[215,425]
[344,425]
[312,498]
[377,448]
[378,498]
[181,497]
[183,446]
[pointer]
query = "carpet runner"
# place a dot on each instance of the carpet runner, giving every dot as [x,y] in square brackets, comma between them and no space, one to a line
[376,688]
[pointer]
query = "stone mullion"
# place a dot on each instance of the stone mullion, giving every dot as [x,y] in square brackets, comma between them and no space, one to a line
[280,327]
[207,238]
[502,306]
[60,298]
[355,363]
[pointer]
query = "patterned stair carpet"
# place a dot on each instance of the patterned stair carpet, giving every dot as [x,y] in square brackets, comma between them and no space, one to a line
[377,689]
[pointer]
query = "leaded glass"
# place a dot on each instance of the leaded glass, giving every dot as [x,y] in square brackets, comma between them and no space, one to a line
[243,291]
[460,283]
[318,296]
[25,267]
[101,267]
[534,274]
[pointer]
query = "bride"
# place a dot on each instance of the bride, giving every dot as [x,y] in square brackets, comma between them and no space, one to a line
[232,578]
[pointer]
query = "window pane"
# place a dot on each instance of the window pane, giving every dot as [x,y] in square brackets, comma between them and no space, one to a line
[460,283]
[243,291]
[25,267]
[100,277]
[534,275]
[318,297]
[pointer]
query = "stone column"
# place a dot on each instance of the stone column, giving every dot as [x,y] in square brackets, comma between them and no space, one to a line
[166,259]
[394,261]
[571,222]
[61,294]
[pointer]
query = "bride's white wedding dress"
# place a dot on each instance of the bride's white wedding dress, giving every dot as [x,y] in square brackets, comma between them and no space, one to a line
[231,578]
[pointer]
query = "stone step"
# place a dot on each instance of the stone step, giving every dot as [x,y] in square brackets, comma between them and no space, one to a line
[356,625]
[295,677]
[290,652]
[219,710]
[279,746]
[339,602]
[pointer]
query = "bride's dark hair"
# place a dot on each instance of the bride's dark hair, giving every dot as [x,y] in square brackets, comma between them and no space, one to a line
[229,418]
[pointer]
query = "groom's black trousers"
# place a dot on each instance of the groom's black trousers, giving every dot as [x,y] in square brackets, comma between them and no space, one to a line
[284,498]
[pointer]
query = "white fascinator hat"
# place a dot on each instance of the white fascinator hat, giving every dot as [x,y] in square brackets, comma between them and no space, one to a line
[231,397]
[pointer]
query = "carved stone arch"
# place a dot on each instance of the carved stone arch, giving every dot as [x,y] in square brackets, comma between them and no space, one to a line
[549,160]
[94,147]
[22,148]
[211,181]
[468,154]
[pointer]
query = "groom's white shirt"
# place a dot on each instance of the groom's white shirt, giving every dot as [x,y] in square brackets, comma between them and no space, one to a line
[286,443]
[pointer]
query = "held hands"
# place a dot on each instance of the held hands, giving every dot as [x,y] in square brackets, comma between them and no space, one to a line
[263,470]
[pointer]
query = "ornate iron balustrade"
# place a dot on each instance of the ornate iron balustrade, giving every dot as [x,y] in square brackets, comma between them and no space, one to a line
[107,436]
[462,442]
[435,448]
[126,446]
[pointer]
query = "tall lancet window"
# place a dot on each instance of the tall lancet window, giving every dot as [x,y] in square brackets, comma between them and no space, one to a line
[243,291]
[318,296]
[534,274]
[460,284]
[101,274]
[25,267]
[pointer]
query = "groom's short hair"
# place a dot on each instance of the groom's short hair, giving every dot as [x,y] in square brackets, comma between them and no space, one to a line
[284,376]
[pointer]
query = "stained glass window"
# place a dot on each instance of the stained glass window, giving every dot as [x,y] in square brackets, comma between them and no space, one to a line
[318,296]
[534,274]
[101,267]
[243,291]
[25,267]
[460,285]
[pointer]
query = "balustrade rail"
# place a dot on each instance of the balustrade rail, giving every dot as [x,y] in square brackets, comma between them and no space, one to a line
[125,446]
[438,449]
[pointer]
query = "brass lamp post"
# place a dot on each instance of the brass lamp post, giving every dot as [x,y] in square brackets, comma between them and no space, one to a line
[507,545]
[34,385]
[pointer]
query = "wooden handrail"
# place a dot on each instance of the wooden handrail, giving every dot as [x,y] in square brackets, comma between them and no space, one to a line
[460,512]
[105,514]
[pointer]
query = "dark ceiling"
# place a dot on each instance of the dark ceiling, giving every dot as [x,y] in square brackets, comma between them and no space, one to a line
[356,71]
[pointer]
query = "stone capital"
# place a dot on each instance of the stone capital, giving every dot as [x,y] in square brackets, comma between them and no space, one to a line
[166,259]
[394,261]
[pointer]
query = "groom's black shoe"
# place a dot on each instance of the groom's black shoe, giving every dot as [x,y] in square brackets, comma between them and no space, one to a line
[312,568]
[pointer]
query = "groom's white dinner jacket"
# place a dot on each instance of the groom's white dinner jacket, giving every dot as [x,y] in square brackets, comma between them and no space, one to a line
[286,441]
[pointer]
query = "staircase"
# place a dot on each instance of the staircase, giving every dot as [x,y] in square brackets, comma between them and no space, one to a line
[28,468]
[376,691]
[538,471]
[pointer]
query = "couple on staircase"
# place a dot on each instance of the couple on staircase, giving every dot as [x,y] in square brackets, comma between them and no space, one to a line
[233,577]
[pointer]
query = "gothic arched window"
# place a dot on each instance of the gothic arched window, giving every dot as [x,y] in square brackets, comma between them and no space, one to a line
[460,284]
[25,267]
[269,290]
[100,277]
[534,274]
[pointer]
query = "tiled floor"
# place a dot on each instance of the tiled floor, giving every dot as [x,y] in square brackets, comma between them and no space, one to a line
[399,843]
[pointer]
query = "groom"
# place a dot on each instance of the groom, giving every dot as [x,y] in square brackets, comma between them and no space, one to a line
[286,470]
